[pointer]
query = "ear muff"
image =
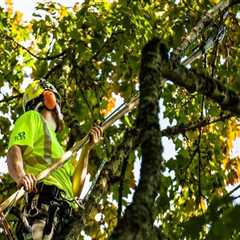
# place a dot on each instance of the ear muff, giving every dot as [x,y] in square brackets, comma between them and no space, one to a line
[49,99]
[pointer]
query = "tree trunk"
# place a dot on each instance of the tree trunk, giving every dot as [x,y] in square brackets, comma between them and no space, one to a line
[138,220]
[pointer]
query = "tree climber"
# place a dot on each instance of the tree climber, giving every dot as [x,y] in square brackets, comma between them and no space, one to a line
[33,146]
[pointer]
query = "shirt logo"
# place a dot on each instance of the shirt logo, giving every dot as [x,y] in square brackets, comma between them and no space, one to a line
[20,136]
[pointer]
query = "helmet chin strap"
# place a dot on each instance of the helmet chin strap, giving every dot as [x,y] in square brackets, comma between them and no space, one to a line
[40,104]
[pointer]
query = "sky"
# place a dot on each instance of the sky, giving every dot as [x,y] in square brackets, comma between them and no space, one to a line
[27,6]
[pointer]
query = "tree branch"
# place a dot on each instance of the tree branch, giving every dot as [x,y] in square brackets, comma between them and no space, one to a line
[227,98]
[34,55]
[180,129]
[121,186]
[204,21]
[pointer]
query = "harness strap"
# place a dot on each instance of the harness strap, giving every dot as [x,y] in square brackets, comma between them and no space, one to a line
[52,215]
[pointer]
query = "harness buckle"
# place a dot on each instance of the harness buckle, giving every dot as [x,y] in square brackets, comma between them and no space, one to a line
[34,211]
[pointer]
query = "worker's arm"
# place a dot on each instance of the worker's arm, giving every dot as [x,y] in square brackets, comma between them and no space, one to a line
[80,171]
[16,169]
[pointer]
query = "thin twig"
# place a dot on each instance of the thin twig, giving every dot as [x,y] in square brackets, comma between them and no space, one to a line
[233,190]
[34,55]
[180,129]
[199,155]
[9,99]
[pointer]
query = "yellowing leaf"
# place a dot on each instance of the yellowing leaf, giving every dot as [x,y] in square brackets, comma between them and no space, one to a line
[238,168]
[9,4]
[103,112]
[63,12]
[29,27]
[232,133]
[18,17]
[214,2]
[202,204]
[110,105]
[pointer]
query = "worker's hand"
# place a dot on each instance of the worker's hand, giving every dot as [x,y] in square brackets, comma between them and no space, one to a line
[95,134]
[29,182]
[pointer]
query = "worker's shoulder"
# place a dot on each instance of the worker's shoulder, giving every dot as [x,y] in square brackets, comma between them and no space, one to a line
[29,116]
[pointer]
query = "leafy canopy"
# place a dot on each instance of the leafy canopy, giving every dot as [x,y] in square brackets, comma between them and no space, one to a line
[93,50]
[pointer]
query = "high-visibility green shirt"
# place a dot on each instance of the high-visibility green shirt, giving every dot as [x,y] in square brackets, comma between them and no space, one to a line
[40,149]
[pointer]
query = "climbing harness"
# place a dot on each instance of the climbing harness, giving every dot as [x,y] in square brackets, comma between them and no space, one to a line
[47,205]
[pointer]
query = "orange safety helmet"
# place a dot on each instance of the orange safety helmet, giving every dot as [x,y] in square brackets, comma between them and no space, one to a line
[41,93]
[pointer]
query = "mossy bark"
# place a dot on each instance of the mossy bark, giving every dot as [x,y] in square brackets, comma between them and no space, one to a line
[193,81]
[138,220]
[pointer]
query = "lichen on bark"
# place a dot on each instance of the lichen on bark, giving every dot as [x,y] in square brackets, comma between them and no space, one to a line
[138,220]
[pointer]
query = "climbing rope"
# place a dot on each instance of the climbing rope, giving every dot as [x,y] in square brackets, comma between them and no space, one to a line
[6,227]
